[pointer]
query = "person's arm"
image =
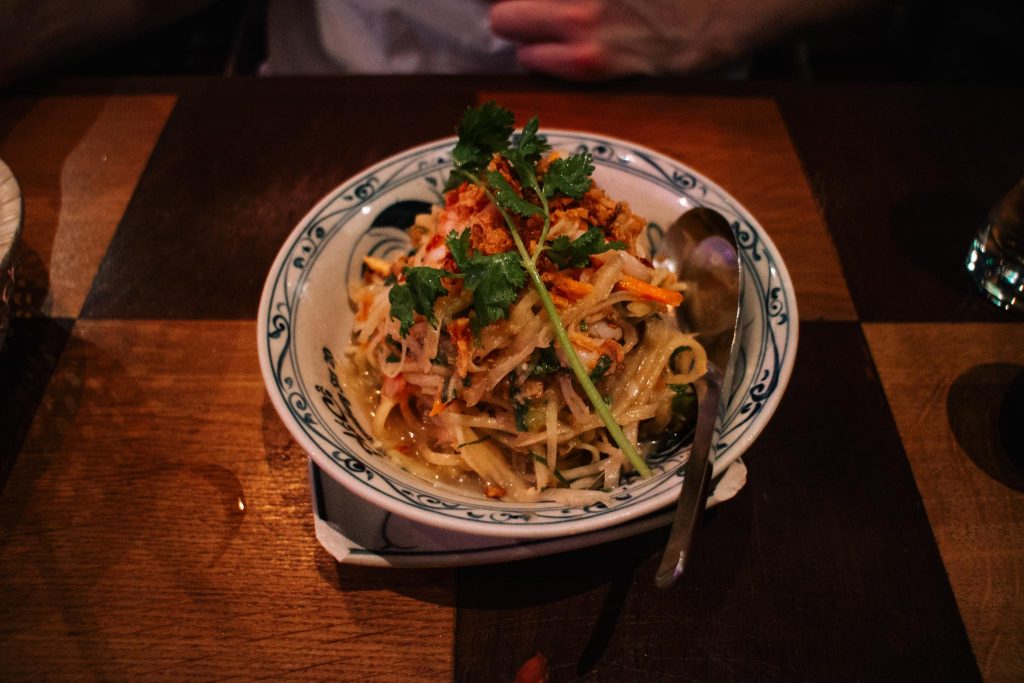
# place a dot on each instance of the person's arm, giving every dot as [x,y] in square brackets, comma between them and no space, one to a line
[593,39]
[36,35]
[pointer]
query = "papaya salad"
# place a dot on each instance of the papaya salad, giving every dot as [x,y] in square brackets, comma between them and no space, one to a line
[524,346]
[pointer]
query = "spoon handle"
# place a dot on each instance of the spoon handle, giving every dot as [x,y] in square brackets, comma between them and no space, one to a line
[690,508]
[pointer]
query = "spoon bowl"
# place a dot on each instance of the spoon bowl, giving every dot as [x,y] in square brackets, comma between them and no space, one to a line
[700,248]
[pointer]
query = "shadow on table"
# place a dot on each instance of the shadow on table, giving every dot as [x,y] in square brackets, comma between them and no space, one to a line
[580,607]
[985,408]
[433,586]
[934,229]
[28,356]
[586,602]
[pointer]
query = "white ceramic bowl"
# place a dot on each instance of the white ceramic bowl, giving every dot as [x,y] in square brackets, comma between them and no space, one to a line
[305,318]
[10,227]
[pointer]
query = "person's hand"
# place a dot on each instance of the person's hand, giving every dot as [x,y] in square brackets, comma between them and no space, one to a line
[594,39]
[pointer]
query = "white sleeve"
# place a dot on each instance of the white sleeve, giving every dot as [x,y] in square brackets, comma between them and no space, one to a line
[385,36]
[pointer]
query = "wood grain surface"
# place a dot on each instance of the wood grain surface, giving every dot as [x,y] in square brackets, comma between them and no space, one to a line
[905,176]
[26,365]
[77,160]
[235,170]
[739,143]
[953,394]
[156,520]
[157,524]
[822,568]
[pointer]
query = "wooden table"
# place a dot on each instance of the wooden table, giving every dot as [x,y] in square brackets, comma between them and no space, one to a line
[155,518]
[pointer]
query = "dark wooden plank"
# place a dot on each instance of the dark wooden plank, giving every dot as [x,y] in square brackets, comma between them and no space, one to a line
[240,162]
[904,177]
[27,362]
[823,568]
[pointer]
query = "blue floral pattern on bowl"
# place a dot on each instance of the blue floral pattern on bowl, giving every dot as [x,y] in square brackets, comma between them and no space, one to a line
[305,320]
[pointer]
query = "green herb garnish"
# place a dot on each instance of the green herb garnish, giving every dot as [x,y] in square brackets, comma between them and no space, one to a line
[558,475]
[569,176]
[495,280]
[421,289]
[684,403]
[485,131]
[546,363]
[522,411]
[482,131]
[600,367]
[475,441]
[507,196]
[577,253]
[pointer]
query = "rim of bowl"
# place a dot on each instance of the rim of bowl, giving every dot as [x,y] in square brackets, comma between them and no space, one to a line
[12,213]
[525,529]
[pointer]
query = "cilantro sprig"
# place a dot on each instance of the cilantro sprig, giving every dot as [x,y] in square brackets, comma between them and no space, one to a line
[484,132]
[421,289]
[576,253]
[494,280]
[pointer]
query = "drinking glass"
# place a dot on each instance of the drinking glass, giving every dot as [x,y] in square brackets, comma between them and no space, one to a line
[995,261]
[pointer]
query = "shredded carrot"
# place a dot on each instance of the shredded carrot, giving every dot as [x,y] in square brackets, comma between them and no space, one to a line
[564,289]
[648,291]
[573,289]
[560,301]
[438,407]
[460,334]
[377,265]
[364,308]
[585,342]
[494,491]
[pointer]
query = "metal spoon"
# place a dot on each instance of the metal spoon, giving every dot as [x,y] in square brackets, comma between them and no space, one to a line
[700,248]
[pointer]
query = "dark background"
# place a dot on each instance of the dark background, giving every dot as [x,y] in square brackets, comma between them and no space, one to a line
[911,41]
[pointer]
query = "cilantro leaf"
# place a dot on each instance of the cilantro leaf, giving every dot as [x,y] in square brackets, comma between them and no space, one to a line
[576,254]
[569,175]
[421,289]
[684,403]
[482,132]
[458,245]
[546,362]
[526,152]
[495,280]
[529,145]
[601,367]
[522,412]
[508,198]
[401,300]
[426,288]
